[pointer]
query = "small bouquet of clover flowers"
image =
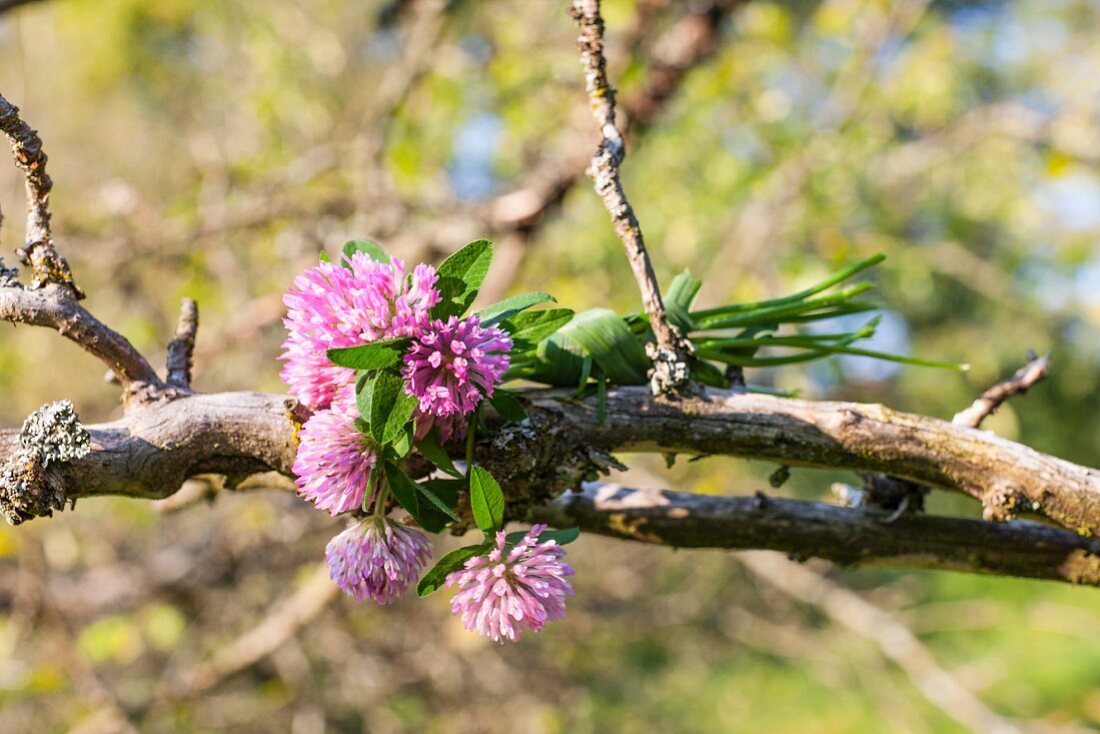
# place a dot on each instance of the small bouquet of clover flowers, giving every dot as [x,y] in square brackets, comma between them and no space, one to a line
[387,362]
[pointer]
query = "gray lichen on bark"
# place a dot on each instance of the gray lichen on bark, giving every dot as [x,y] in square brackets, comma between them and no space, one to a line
[50,435]
[670,370]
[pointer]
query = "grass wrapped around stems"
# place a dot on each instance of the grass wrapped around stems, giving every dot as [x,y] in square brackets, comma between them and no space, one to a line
[602,347]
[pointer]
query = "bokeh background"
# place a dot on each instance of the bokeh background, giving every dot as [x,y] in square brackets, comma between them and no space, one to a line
[213,149]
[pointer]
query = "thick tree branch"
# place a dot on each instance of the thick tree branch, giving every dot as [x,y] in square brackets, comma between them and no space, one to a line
[813,529]
[1005,476]
[38,251]
[670,365]
[55,306]
[151,451]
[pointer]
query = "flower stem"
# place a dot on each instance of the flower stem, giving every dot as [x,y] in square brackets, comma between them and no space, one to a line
[471,434]
[380,501]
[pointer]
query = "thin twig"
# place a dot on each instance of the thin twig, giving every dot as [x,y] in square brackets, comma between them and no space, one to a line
[670,357]
[52,299]
[987,403]
[678,50]
[38,251]
[514,218]
[1003,502]
[55,306]
[182,349]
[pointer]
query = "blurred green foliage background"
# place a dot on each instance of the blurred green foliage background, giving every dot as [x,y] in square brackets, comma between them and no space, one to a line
[212,149]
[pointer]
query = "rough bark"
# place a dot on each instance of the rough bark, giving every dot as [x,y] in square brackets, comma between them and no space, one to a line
[150,452]
[813,529]
[1002,474]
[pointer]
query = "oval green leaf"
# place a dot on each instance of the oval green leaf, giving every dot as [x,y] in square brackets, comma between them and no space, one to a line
[486,501]
[449,563]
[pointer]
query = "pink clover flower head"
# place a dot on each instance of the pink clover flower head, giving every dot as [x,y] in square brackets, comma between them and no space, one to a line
[331,306]
[309,375]
[334,461]
[501,595]
[450,366]
[377,559]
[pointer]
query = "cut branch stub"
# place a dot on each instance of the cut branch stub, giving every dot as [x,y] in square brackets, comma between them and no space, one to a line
[38,251]
[182,348]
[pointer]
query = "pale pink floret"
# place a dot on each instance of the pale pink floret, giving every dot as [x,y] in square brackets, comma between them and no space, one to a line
[330,306]
[451,366]
[334,460]
[499,597]
[377,559]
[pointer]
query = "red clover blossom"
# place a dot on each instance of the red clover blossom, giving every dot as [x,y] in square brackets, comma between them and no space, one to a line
[331,306]
[500,596]
[450,366]
[377,559]
[334,460]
